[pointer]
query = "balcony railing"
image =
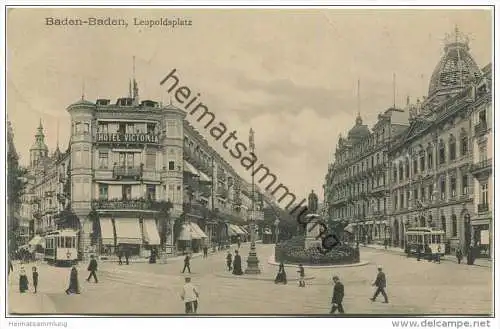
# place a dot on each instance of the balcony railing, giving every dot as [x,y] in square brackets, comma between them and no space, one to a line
[136,204]
[482,208]
[481,166]
[480,128]
[128,172]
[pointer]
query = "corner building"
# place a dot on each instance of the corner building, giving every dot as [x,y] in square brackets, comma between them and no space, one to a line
[357,183]
[438,161]
[432,182]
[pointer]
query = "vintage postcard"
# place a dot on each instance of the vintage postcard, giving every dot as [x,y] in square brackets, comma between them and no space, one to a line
[322,161]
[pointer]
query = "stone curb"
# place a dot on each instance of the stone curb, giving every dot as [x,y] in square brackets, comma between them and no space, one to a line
[402,253]
[272,261]
[255,277]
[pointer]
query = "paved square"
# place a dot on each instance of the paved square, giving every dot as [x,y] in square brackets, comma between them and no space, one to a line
[140,288]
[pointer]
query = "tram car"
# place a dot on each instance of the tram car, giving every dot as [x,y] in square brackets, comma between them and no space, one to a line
[61,248]
[424,236]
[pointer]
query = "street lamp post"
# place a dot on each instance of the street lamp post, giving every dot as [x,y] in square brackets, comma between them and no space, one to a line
[252,260]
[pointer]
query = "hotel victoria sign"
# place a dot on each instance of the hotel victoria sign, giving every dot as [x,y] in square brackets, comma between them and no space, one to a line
[139,138]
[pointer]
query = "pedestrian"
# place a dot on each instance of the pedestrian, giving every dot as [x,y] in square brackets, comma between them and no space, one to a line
[187,264]
[205,252]
[92,268]
[239,242]
[338,296]
[73,287]
[237,264]
[459,255]
[419,252]
[190,296]
[127,254]
[229,261]
[281,276]
[385,243]
[380,283]
[23,280]
[438,255]
[120,255]
[301,274]
[35,278]
[10,268]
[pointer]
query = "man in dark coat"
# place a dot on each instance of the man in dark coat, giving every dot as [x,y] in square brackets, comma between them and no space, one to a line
[338,296]
[10,268]
[120,255]
[92,269]
[237,264]
[380,283]
[73,287]
[459,255]
[229,261]
[186,264]
[127,254]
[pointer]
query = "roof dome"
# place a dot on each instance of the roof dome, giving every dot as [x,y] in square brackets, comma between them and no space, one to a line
[456,68]
[359,130]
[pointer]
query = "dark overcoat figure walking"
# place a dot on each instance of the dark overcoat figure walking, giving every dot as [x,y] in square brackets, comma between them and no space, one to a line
[459,255]
[338,296]
[229,261]
[92,269]
[380,283]
[35,278]
[187,266]
[73,287]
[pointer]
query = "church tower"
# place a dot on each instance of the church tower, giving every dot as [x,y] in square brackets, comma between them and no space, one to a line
[39,150]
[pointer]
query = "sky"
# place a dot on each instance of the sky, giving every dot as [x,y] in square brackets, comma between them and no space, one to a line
[291,75]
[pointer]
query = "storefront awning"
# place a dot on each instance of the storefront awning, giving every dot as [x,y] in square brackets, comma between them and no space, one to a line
[107,235]
[151,235]
[245,232]
[231,231]
[192,231]
[239,230]
[189,168]
[197,231]
[37,241]
[128,231]
[204,177]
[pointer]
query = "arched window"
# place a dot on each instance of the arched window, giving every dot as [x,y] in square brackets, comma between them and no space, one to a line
[422,161]
[453,148]
[400,171]
[464,144]
[442,155]
[443,223]
[407,168]
[454,225]
[429,157]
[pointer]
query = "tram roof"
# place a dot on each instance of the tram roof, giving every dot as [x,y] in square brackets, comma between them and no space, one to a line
[423,229]
[61,233]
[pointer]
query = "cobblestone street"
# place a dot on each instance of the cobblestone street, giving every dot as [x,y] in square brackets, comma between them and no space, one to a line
[141,288]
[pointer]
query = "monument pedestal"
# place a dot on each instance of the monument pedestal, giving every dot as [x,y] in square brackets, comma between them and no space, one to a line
[252,262]
[312,235]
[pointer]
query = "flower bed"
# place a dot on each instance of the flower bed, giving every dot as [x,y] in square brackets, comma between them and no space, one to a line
[292,252]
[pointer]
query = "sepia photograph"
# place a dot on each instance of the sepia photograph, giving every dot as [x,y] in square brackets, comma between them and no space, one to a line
[238,161]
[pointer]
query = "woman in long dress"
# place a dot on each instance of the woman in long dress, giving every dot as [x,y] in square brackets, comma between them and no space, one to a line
[23,280]
[281,276]
[73,287]
[237,264]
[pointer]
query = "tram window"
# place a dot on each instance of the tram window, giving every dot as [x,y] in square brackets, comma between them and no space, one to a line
[438,238]
[73,242]
[433,238]
[68,243]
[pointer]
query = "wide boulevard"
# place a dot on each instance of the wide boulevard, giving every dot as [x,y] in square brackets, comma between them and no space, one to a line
[142,288]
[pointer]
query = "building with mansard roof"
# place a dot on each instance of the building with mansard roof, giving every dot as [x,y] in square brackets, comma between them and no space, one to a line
[432,163]
[436,162]
[126,161]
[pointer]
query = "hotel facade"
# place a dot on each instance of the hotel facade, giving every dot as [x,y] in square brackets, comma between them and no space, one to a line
[135,174]
[437,162]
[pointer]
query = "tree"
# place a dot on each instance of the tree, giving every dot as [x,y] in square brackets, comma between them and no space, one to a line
[164,208]
[15,188]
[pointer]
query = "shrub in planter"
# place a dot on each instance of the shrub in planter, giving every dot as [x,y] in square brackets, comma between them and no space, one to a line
[293,253]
